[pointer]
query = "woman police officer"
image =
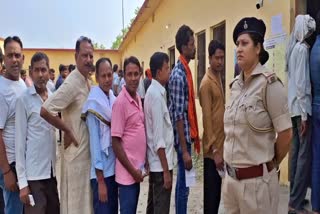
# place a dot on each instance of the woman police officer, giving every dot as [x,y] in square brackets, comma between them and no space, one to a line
[257,127]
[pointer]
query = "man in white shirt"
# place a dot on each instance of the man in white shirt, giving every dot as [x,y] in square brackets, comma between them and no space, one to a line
[11,86]
[35,144]
[159,136]
[141,91]
[116,80]
[299,104]
[50,84]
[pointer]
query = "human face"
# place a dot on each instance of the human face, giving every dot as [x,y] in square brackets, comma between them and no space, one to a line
[52,76]
[105,76]
[247,52]
[84,58]
[164,73]
[13,60]
[132,76]
[217,61]
[23,77]
[189,50]
[64,73]
[40,74]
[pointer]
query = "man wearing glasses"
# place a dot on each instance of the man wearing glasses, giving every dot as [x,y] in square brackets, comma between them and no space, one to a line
[75,191]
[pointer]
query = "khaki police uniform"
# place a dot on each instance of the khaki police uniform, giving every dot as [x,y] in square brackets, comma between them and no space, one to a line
[256,111]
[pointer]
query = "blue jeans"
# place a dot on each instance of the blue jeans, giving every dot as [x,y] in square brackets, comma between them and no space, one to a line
[12,202]
[315,185]
[129,196]
[111,206]
[182,192]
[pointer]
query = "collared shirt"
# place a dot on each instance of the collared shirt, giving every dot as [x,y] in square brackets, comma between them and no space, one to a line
[9,92]
[178,101]
[212,102]
[116,82]
[121,84]
[158,126]
[75,174]
[99,159]
[50,86]
[299,86]
[128,124]
[35,141]
[141,90]
[247,115]
[69,100]
[59,82]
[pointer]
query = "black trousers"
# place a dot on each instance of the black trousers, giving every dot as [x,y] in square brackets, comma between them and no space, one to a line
[45,194]
[1,202]
[211,187]
[158,196]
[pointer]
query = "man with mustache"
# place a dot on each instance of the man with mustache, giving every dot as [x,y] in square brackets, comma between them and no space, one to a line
[35,144]
[11,86]
[129,138]
[75,193]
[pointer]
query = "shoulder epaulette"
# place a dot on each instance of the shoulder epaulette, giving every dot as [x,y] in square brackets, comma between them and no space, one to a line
[270,76]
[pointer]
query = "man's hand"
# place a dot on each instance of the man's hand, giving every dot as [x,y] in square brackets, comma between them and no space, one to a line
[10,182]
[103,192]
[167,180]
[304,127]
[147,168]
[24,195]
[69,138]
[187,160]
[138,177]
[218,161]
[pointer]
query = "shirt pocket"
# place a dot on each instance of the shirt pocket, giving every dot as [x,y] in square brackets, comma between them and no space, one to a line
[36,121]
[256,116]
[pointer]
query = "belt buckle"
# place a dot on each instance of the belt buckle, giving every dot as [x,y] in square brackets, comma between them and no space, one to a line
[232,172]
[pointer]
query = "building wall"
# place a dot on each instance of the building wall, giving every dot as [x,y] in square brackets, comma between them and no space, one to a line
[158,33]
[67,57]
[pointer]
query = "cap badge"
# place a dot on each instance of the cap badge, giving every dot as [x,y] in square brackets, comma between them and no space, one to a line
[245,26]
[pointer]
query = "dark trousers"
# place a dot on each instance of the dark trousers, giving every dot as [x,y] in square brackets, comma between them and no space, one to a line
[158,196]
[300,165]
[128,197]
[45,195]
[60,132]
[111,206]
[315,185]
[1,202]
[211,187]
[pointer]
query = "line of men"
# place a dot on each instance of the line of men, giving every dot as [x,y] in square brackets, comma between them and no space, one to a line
[100,162]
[111,143]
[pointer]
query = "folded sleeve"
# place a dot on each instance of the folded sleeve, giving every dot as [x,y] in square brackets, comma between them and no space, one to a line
[277,106]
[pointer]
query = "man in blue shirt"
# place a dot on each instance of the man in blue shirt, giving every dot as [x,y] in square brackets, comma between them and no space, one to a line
[97,111]
[64,72]
[315,84]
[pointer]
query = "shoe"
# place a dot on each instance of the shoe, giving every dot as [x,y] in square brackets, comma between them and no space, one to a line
[305,202]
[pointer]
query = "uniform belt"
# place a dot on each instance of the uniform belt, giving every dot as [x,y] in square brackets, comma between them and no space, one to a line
[249,172]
